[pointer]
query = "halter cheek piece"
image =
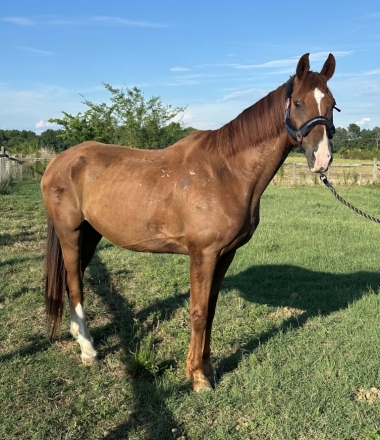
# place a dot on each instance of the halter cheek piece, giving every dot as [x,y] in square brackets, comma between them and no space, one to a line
[307,126]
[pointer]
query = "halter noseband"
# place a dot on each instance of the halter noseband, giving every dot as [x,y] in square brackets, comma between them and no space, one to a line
[307,126]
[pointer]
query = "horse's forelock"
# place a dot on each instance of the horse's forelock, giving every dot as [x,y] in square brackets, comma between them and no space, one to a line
[312,81]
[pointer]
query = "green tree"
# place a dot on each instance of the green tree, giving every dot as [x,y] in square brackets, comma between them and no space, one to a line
[16,141]
[340,139]
[129,119]
[52,140]
[376,136]
[353,132]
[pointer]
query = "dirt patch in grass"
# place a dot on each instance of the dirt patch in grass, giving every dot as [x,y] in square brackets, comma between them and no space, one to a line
[369,395]
[287,312]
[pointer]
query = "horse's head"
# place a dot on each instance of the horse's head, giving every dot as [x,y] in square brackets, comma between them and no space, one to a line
[309,112]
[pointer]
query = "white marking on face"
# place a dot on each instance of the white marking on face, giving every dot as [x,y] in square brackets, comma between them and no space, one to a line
[322,154]
[318,95]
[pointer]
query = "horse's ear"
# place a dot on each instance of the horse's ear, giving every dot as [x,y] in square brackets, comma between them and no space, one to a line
[328,68]
[303,66]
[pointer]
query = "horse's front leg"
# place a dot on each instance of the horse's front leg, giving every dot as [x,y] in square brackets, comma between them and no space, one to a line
[220,271]
[202,270]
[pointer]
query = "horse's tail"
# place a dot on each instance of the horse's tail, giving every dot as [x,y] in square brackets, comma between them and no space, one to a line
[55,280]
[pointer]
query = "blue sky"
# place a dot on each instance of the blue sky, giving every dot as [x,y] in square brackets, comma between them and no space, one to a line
[215,57]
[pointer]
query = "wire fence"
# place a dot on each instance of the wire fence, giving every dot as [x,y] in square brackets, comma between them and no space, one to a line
[19,168]
[289,174]
[294,173]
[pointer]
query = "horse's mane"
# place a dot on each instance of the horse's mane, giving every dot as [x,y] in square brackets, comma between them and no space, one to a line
[259,122]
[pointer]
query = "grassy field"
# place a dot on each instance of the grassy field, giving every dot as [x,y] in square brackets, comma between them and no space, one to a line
[342,172]
[296,335]
[337,159]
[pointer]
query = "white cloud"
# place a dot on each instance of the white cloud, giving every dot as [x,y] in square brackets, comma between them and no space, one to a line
[182,82]
[375,16]
[372,72]
[212,115]
[104,21]
[363,121]
[20,21]
[24,107]
[322,56]
[185,117]
[287,62]
[275,63]
[179,69]
[251,96]
[42,124]
[35,51]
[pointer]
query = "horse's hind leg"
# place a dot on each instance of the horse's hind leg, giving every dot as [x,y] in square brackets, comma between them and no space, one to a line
[87,241]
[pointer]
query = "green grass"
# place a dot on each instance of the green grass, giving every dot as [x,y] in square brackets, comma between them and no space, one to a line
[295,340]
[300,157]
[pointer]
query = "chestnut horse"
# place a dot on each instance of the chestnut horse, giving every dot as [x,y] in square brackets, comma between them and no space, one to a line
[199,197]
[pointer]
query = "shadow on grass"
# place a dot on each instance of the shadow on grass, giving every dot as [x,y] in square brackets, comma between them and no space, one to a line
[39,344]
[19,237]
[279,286]
[150,410]
[316,293]
[14,261]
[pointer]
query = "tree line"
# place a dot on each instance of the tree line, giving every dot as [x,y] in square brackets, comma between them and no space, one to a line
[356,142]
[28,142]
[130,119]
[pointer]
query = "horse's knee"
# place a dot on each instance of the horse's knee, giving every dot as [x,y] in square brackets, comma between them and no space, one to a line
[198,317]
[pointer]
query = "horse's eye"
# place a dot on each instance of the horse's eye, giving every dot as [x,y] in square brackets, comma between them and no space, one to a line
[297,104]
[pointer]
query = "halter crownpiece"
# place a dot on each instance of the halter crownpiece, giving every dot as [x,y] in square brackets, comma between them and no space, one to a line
[307,126]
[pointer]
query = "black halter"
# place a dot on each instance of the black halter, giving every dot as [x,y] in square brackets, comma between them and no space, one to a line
[307,126]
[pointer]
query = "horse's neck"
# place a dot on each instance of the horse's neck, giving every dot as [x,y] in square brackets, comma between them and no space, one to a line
[260,122]
[258,166]
[264,143]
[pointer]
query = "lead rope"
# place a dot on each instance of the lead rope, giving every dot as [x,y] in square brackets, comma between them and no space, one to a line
[358,211]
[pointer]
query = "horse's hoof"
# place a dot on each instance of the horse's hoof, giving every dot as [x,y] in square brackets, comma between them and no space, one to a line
[212,379]
[202,385]
[88,361]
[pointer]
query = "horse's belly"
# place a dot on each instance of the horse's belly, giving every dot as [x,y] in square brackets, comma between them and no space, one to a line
[162,215]
[138,229]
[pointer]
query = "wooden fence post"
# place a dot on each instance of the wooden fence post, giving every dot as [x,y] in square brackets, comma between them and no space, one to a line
[2,165]
[375,170]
